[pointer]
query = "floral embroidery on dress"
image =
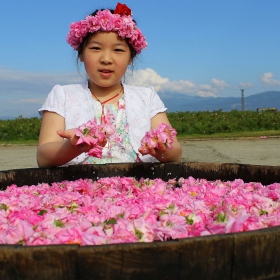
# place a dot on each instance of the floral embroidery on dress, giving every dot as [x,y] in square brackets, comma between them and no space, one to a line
[118,148]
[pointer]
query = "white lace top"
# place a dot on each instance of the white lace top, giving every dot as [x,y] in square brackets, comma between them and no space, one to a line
[118,147]
[76,105]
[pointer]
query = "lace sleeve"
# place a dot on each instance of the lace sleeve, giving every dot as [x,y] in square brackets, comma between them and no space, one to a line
[156,104]
[55,102]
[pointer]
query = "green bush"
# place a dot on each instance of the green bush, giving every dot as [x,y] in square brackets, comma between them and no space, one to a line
[20,129]
[205,122]
[186,123]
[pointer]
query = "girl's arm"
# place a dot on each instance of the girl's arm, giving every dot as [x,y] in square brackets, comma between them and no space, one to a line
[162,153]
[52,149]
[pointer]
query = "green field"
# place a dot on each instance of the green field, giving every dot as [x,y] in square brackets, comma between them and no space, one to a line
[204,124]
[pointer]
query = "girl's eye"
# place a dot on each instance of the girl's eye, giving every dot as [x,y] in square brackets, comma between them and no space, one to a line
[119,50]
[95,48]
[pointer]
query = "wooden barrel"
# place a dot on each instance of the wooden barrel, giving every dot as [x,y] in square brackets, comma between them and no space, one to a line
[247,255]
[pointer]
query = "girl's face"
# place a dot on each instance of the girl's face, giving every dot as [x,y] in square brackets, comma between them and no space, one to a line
[105,57]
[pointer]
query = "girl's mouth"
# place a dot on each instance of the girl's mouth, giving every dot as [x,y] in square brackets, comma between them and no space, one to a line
[105,73]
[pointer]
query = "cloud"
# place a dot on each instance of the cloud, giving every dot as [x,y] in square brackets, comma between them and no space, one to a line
[32,87]
[205,91]
[22,83]
[219,84]
[162,85]
[268,79]
[33,101]
[23,93]
[245,85]
[181,86]
[146,78]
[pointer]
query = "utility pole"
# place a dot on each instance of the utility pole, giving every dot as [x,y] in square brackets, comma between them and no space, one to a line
[242,99]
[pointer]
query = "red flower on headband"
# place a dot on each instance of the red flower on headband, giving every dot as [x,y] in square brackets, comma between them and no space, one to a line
[122,10]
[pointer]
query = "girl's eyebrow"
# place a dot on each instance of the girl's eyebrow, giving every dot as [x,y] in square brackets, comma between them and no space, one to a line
[99,43]
[94,42]
[120,44]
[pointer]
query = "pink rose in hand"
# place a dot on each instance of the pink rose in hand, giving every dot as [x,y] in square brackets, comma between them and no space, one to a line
[163,133]
[92,133]
[96,151]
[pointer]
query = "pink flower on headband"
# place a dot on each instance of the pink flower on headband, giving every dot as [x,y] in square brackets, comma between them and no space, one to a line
[121,22]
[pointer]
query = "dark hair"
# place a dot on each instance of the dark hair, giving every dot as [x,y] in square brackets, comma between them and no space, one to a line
[85,41]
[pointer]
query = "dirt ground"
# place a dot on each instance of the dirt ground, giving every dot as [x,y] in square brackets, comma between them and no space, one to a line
[256,151]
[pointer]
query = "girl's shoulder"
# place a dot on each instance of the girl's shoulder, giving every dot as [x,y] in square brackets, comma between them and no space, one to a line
[71,88]
[144,97]
[130,89]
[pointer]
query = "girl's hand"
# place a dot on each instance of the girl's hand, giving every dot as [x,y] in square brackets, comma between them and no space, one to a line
[167,148]
[70,135]
[155,152]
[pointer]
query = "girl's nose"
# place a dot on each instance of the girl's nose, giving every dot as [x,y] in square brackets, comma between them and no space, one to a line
[106,58]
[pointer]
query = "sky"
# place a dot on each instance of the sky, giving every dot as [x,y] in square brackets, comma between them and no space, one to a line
[195,47]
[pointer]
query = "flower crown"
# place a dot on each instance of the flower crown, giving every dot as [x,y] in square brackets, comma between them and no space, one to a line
[120,21]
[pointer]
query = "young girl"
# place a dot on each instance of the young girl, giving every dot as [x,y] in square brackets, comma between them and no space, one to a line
[106,42]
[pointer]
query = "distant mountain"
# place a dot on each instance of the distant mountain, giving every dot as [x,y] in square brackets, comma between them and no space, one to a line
[7,118]
[182,103]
